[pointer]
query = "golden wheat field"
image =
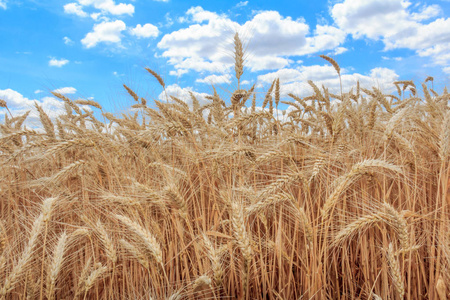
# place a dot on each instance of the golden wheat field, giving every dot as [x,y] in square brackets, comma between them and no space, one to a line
[345,196]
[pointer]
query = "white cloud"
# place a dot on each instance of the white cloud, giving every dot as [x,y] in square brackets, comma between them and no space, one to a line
[3,4]
[446,70]
[183,94]
[109,6]
[241,4]
[396,58]
[340,50]
[67,41]
[198,14]
[38,91]
[296,80]
[75,9]
[216,79]
[54,62]
[66,90]
[426,13]
[146,31]
[109,32]
[396,24]
[206,45]
[178,72]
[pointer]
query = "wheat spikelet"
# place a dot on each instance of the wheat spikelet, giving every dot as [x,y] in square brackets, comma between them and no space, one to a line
[201,283]
[2,238]
[268,96]
[214,258]
[14,276]
[132,93]
[267,201]
[174,196]
[62,146]
[376,297]
[46,122]
[277,92]
[441,288]
[398,222]
[95,275]
[149,241]
[394,271]
[305,223]
[137,254]
[356,227]
[88,102]
[55,267]
[242,239]
[82,278]
[238,57]
[106,241]
[156,75]
[3,103]
[343,182]
[332,62]
[282,181]
[61,175]
[253,109]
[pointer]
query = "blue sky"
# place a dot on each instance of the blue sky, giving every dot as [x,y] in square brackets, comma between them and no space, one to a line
[89,48]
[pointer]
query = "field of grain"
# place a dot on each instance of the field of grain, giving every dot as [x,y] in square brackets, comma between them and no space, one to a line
[343,197]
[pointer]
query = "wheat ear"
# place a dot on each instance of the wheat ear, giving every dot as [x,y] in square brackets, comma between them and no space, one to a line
[441,288]
[55,267]
[149,241]
[156,75]
[106,241]
[394,270]
[137,254]
[242,239]
[238,57]
[14,276]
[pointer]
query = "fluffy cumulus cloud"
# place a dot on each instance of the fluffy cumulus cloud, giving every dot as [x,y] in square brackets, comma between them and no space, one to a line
[66,90]
[105,32]
[216,79]
[397,24]
[19,104]
[295,80]
[183,94]
[145,31]
[75,9]
[105,6]
[205,44]
[54,62]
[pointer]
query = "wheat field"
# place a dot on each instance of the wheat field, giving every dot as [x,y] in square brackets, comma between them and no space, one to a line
[345,196]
